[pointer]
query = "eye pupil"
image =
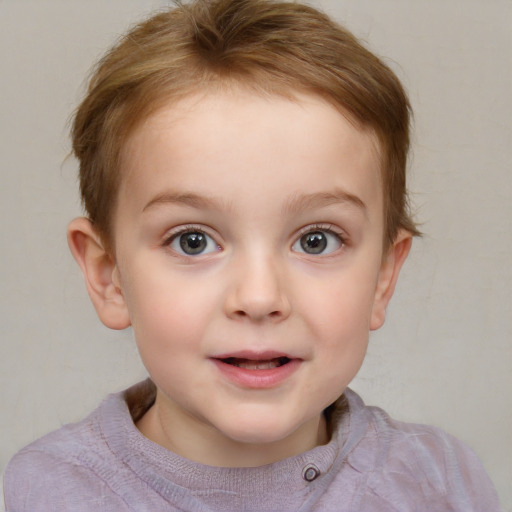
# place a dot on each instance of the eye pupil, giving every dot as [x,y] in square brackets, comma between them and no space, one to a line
[193,243]
[314,243]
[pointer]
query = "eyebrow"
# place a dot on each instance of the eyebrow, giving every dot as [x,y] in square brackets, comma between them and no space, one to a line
[186,199]
[303,202]
[296,204]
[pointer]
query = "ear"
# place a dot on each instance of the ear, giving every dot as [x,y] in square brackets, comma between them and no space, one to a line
[388,276]
[100,273]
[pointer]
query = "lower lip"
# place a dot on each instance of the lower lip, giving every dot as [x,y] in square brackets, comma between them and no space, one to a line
[257,379]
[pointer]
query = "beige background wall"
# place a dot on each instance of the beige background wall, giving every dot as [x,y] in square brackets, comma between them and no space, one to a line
[445,355]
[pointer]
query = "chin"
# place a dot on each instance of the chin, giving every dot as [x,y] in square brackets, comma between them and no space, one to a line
[258,430]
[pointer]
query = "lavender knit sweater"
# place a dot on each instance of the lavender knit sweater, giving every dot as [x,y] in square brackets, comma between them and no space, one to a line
[371,464]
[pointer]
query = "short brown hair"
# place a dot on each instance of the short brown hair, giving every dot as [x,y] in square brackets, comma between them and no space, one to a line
[269,46]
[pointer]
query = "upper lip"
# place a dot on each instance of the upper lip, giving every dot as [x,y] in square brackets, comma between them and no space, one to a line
[253,355]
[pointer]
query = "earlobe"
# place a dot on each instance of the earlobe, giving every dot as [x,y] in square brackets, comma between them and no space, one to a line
[100,273]
[388,277]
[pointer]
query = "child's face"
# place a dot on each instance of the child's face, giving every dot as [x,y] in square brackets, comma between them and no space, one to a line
[248,238]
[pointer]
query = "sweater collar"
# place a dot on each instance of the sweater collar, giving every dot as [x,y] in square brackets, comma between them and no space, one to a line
[289,484]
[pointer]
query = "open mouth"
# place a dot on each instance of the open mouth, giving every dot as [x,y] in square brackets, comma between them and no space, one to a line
[259,364]
[257,370]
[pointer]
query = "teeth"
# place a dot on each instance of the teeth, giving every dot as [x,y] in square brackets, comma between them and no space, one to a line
[258,365]
[249,364]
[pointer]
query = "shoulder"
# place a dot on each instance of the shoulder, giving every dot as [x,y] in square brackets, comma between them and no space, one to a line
[64,470]
[418,462]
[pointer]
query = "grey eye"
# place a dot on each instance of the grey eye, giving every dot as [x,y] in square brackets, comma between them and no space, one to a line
[193,243]
[317,242]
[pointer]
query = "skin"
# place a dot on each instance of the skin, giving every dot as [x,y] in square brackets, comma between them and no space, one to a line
[255,175]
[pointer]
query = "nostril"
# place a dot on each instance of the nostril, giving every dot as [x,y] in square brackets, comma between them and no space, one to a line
[249,303]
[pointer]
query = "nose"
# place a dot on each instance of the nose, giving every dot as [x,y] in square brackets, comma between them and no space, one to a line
[257,290]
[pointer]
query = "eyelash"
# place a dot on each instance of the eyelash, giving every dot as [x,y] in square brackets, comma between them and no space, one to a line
[170,237]
[326,228]
[175,235]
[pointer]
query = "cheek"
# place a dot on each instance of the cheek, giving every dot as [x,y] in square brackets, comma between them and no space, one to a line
[167,334]
[341,303]
[168,314]
[343,342]
[164,317]
[339,320]
[155,295]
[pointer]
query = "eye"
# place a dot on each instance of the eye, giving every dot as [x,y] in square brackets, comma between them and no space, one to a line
[193,243]
[318,241]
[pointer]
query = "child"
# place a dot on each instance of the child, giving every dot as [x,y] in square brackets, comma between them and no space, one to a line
[242,165]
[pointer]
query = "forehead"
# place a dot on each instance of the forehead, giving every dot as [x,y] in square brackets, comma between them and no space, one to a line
[205,141]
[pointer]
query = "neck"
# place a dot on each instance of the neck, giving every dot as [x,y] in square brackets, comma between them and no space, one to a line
[203,443]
